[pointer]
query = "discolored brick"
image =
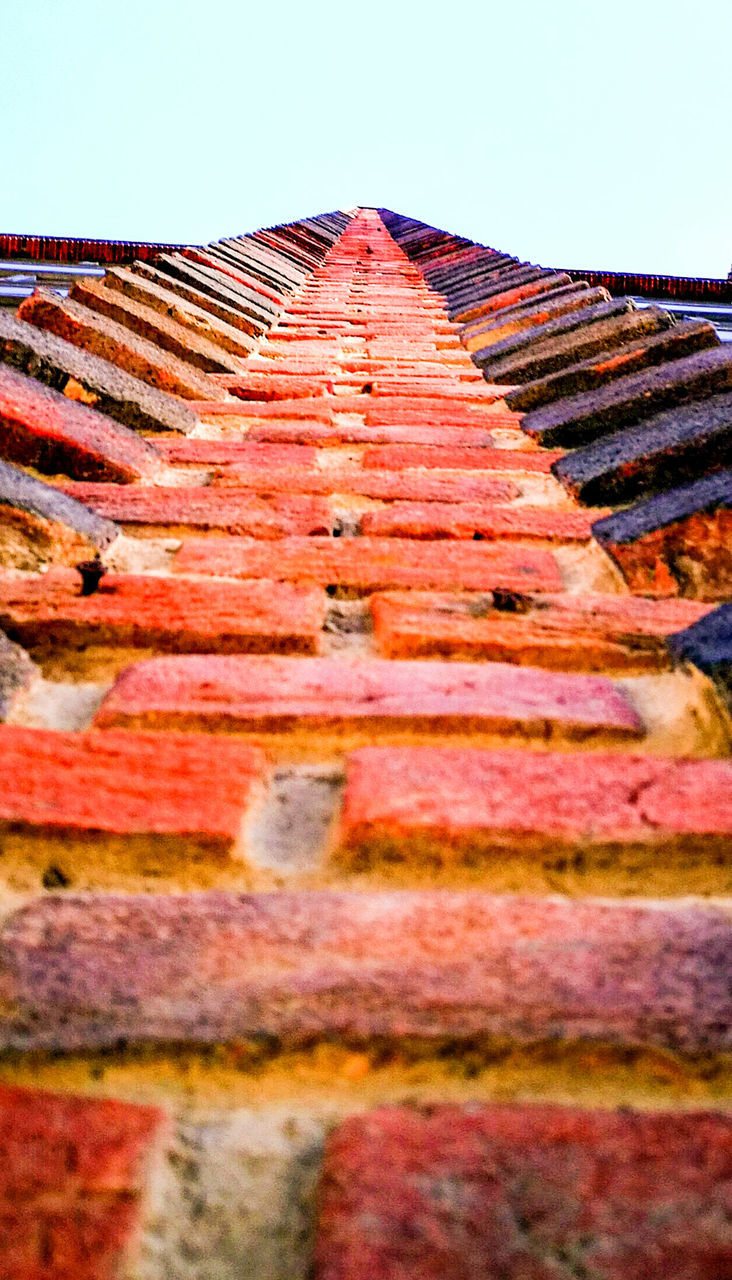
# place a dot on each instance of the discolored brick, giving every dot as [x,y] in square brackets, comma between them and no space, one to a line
[707,645]
[394,969]
[498,1191]
[473,520]
[39,523]
[207,508]
[594,325]
[120,346]
[17,674]
[169,303]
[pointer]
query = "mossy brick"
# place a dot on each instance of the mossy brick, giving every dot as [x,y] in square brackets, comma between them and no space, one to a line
[464,519]
[391,457]
[672,344]
[520,344]
[73,1183]
[206,508]
[120,346]
[583,418]
[546,356]
[90,380]
[164,300]
[155,327]
[512,294]
[398,969]
[678,542]
[39,523]
[372,564]
[275,694]
[662,452]
[43,429]
[17,674]
[707,645]
[151,789]
[168,614]
[422,805]
[527,316]
[560,632]
[488,1192]
[230,315]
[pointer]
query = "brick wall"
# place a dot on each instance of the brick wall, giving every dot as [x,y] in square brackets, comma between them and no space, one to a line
[365,788]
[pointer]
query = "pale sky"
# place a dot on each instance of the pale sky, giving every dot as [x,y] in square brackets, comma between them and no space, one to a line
[587,135]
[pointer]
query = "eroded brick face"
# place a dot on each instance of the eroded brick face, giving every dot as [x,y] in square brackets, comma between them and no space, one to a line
[365,760]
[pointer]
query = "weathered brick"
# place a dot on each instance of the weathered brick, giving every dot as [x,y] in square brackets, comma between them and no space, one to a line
[218,286]
[393,456]
[43,429]
[156,327]
[676,543]
[17,674]
[120,346]
[243,453]
[593,328]
[39,523]
[471,1192]
[434,485]
[89,379]
[164,300]
[561,632]
[187,292]
[707,644]
[162,613]
[214,256]
[403,968]
[73,1175]
[207,508]
[372,564]
[551,306]
[583,418]
[273,694]
[181,794]
[681,444]
[425,806]
[508,297]
[476,520]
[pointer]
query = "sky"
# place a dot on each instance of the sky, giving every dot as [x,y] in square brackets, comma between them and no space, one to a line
[575,134]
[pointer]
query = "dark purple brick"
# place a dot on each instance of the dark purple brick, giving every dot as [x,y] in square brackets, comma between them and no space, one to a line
[520,346]
[708,645]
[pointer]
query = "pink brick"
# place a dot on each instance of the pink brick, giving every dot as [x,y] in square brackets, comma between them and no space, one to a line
[393,456]
[372,564]
[277,694]
[163,613]
[424,804]
[237,452]
[502,1192]
[400,969]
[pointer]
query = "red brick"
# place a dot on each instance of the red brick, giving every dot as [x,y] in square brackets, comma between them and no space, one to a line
[102,337]
[536,1192]
[135,785]
[563,632]
[273,385]
[278,694]
[349,432]
[402,969]
[158,328]
[392,457]
[44,429]
[238,453]
[425,805]
[423,486]
[206,508]
[476,520]
[72,1175]
[172,614]
[372,564]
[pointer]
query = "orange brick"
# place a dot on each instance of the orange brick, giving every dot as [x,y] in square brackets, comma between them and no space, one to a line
[135,785]
[392,457]
[476,520]
[563,632]
[372,564]
[172,614]
[206,508]
[281,694]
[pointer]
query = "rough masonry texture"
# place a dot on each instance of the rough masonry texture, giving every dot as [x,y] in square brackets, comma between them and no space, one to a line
[365,819]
